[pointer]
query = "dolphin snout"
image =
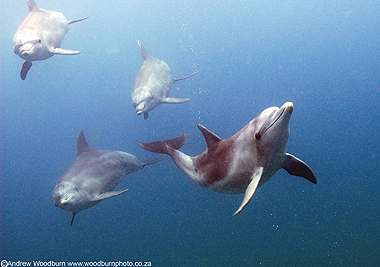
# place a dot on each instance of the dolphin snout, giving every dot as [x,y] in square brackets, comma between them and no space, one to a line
[288,105]
[140,108]
[57,201]
[16,49]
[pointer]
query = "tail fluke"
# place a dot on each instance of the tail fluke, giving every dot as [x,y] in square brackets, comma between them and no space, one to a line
[165,146]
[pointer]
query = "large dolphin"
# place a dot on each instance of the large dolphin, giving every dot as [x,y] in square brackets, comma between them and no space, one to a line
[93,176]
[242,162]
[152,85]
[40,36]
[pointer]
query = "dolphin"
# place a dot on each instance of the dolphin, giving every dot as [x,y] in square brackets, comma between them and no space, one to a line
[152,84]
[40,36]
[93,176]
[242,162]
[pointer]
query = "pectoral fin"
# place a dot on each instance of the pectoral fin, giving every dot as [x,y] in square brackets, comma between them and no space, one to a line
[297,167]
[61,51]
[108,195]
[185,77]
[25,68]
[250,189]
[77,20]
[173,100]
[72,219]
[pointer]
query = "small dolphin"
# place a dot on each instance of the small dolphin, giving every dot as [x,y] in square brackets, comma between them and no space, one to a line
[152,85]
[93,176]
[40,36]
[242,162]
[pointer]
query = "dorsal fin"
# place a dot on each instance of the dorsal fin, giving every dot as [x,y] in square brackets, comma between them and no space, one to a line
[143,52]
[211,138]
[82,145]
[32,5]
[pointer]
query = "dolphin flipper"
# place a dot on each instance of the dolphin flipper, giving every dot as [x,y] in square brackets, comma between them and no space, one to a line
[185,77]
[174,100]
[250,189]
[77,20]
[108,195]
[297,167]
[25,68]
[72,219]
[61,51]
[151,161]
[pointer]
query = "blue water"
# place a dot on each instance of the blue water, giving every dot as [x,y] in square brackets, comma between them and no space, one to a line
[249,55]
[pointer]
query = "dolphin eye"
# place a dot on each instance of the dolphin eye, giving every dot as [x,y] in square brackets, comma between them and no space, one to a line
[257,136]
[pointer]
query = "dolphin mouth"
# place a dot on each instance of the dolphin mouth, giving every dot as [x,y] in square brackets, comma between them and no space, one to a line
[25,53]
[140,108]
[24,49]
[64,201]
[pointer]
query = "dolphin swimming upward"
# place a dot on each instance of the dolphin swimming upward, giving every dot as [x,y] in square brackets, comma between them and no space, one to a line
[152,85]
[40,36]
[93,176]
[242,162]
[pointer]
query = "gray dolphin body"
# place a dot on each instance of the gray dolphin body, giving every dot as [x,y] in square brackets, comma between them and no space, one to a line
[93,176]
[242,162]
[152,85]
[40,36]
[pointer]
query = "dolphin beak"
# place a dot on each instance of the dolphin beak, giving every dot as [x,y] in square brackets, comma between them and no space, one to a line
[16,49]
[65,200]
[286,109]
[140,108]
[288,106]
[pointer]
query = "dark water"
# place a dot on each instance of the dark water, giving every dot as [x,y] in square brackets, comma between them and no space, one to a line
[321,55]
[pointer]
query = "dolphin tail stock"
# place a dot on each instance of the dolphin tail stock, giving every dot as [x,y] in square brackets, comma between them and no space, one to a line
[77,20]
[151,161]
[185,77]
[72,219]
[164,147]
[297,167]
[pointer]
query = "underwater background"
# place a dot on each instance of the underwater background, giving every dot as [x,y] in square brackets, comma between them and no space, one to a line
[324,56]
